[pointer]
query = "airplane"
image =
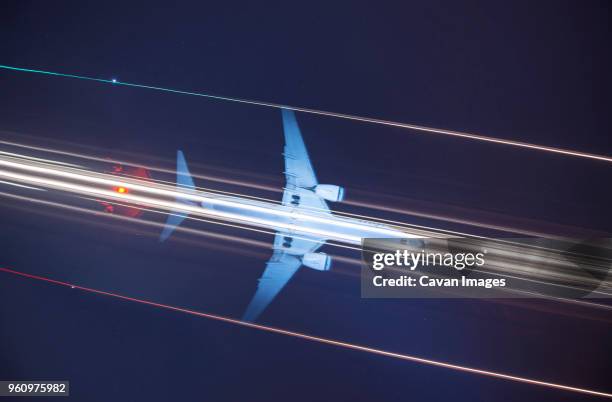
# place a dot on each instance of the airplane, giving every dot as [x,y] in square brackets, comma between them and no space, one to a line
[303,221]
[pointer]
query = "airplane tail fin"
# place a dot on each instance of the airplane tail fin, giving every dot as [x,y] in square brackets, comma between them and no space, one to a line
[183,181]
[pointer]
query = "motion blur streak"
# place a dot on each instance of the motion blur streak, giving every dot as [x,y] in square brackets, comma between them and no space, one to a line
[266,245]
[361,204]
[20,185]
[157,225]
[250,242]
[414,127]
[197,232]
[87,183]
[38,159]
[111,181]
[313,338]
[225,180]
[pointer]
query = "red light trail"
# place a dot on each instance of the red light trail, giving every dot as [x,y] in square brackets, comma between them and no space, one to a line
[313,338]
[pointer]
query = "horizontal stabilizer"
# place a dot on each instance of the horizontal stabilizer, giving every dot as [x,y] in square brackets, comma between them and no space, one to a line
[183,177]
[183,181]
[174,220]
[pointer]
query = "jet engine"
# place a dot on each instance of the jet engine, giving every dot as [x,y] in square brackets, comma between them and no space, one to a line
[329,192]
[318,261]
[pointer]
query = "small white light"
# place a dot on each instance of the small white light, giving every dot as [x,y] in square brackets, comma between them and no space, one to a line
[114,80]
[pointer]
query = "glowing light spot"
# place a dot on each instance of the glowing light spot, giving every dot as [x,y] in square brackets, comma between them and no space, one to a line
[121,190]
[114,80]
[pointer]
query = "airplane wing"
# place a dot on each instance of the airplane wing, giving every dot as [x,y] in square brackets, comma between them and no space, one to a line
[289,250]
[184,181]
[298,169]
[299,173]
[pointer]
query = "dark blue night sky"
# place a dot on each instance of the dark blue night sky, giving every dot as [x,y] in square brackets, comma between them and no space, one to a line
[517,70]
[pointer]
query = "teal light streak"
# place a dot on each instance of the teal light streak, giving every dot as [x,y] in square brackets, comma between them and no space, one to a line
[128,84]
[430,130]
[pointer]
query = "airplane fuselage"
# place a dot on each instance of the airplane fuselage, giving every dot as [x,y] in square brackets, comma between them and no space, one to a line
[305,221]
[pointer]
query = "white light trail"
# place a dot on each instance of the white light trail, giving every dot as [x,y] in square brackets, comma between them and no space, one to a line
[10,183]
[172,206]
[94,183]
[221,180]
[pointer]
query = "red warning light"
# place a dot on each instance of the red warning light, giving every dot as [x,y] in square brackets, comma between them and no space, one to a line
[128,210]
